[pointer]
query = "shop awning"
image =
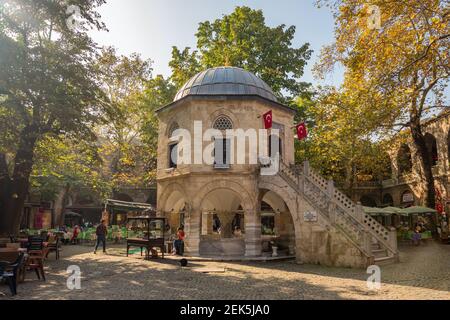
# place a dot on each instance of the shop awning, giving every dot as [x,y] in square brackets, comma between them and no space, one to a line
[130,206]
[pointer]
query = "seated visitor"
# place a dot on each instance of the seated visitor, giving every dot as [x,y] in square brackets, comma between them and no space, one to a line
[416,236]
[178,244]
[237,232]
[76,232]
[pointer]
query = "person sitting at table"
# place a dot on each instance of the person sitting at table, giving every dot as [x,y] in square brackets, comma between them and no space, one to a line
[416,236]
[178,244]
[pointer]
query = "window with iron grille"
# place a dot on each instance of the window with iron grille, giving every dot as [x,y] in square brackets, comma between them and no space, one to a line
[223,123]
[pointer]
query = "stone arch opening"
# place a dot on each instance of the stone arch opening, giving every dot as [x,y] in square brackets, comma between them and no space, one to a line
[431,143]
[222,223]
[388,200]
[404,160]
[277,225]
[174,207]
[368,201]
[123,197]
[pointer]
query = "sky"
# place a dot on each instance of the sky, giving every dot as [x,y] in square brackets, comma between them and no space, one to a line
[152,27]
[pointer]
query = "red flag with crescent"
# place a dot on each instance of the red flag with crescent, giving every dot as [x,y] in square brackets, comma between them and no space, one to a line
[302,131]
[268,120]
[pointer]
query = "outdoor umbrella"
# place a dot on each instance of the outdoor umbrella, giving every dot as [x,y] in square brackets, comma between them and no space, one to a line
[394,210]
[418,210]
[375,211]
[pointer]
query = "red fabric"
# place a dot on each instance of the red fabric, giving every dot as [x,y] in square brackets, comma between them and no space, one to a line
[302,131]
[38,221]
[181,235]
[268,120]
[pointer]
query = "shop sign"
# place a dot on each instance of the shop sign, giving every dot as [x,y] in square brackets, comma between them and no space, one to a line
[408,197]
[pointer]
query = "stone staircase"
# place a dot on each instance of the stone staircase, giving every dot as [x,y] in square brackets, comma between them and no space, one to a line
[376,242]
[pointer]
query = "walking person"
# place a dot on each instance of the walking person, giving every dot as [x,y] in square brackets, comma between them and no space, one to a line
[101,233]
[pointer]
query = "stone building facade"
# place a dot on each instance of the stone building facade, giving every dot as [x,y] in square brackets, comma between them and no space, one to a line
[403,188]
[233,208]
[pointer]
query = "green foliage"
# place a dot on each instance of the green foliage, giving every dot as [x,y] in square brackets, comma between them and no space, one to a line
[339,145]
[242,39]
[184,65]
[47,84]
[128,161]
[61,162]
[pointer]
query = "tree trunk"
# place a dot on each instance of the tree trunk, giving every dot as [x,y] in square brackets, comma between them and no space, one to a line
[60,204]
[425,163]
[16,190]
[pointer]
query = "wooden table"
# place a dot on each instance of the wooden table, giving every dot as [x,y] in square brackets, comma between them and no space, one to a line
[148,244]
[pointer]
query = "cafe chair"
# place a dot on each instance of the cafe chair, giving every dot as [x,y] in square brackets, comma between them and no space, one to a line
[9,272]
[12,238]
[36,256]
[53,246]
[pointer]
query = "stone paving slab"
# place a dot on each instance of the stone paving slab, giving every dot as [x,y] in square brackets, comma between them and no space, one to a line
[423,273]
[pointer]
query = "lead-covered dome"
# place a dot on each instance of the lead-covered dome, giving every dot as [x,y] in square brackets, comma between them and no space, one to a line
[226,81]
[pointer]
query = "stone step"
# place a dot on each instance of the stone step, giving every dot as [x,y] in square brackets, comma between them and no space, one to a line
[380,253]
[376,246]
[382,261]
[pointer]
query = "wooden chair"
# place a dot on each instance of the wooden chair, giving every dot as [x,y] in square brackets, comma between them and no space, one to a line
[36,256]
[53,246]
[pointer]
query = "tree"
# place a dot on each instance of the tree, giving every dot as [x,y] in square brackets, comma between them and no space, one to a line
[339,144]
[399,70]
[124,80]
[47,86]
[184,65]
[63,166]
[242,39]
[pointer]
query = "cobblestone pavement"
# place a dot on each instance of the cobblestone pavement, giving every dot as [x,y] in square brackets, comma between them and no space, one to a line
[423,273]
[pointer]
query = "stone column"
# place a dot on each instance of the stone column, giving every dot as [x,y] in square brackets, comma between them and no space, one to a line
[253,241]
[359,212]
[193,228]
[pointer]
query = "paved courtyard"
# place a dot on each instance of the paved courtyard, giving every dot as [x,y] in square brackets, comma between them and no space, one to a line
[423,273]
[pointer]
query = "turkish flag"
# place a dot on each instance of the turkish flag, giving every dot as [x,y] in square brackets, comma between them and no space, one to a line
[268,120]
[302,131]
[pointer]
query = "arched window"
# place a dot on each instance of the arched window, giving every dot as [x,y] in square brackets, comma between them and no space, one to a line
[173,147]
[222,148]
[431,144]
[223,123]
[404,160]
[172,129]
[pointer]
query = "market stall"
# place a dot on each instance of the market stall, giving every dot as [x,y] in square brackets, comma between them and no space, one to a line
[147,233]
[405,220]
[118,211]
